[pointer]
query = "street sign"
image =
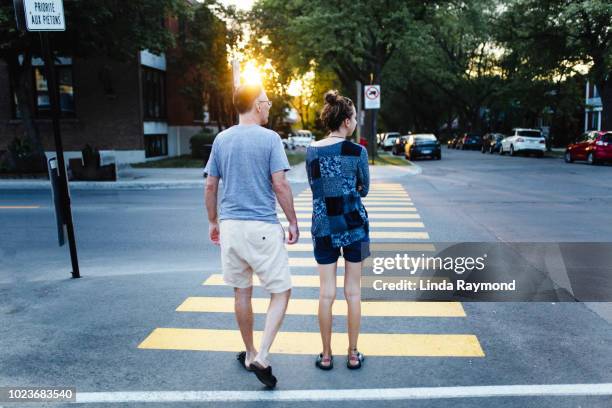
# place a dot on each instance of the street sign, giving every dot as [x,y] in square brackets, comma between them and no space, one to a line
[44,15]
[371,97]
[56,194]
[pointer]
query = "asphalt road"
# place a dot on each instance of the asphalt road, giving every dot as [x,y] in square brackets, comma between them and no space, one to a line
[143,253]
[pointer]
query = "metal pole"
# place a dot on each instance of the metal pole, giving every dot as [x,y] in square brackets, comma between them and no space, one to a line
[53,91]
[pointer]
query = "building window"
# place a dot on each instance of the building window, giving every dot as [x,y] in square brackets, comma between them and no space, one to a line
[153,93]
[42,101]
[156,145]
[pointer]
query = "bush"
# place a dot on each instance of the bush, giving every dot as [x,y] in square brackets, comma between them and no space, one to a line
[23,159]
[199,140]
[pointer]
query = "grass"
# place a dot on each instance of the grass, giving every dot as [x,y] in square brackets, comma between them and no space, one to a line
[389,160]
[180,162]
[187,162]
[295,157]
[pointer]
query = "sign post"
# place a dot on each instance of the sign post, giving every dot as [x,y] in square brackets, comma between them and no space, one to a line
[44,16]
[371,98]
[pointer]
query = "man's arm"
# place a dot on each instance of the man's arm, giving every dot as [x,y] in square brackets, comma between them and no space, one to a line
[210,197]
[282,189]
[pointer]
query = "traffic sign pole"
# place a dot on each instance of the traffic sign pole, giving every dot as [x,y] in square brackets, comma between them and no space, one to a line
[53,91]
[44,16]
[372,103]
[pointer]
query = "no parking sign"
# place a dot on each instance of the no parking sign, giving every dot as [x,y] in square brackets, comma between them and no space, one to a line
[371,97]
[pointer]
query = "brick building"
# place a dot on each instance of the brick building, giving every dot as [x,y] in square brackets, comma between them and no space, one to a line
[132,111]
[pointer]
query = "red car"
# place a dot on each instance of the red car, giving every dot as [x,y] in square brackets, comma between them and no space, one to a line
[594,146]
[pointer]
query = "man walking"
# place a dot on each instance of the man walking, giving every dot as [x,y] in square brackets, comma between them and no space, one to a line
[251,162]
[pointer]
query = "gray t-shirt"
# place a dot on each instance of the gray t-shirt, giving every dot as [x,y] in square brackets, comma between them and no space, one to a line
[244,158]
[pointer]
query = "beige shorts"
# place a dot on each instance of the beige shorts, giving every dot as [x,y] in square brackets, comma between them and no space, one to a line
[254,246]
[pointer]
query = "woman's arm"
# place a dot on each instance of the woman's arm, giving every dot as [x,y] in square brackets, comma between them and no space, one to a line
[363,173]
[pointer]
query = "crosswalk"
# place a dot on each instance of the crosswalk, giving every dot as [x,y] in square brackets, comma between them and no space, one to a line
[393,218]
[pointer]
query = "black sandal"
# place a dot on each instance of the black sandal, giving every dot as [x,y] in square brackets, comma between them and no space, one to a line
[360,358]
[319,362]
[241,357]
[264,374]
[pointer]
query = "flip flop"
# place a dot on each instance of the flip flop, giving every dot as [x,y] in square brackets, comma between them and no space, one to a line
[319,362]
[264,374]
[360,358]
[241,357]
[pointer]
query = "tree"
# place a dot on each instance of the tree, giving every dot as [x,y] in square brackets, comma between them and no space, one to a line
[203,55]
[118,29]
[553,37]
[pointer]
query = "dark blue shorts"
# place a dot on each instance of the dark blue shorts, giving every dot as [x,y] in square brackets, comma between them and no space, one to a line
[324,253]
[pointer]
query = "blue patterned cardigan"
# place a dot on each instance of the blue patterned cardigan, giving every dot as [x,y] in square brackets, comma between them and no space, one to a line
[334,172]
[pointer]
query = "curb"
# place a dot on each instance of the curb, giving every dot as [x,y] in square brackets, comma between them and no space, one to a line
[394,172]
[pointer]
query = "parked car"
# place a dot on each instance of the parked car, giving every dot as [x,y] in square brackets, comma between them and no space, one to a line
[389,141]
[422,145]
[491,142]
[288,143]
[472,141]
[594,147]
[452,142]
[524,141]
[303,138]
[398,146]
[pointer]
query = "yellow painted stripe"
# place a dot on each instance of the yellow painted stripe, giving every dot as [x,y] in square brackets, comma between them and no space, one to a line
[304,281]
[385,234]
[400,201]
[394,247]
[310,306]
[309,343]
[371,195]
[309,262]
[392,216]
[374,246]
[18,207]
[374,224]
[308,210]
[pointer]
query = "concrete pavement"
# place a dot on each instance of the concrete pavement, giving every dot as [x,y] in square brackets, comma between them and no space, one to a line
[147,264]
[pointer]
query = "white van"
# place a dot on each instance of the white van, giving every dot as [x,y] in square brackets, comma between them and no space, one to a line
[303,138]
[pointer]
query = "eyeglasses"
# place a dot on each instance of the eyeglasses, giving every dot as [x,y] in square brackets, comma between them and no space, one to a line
[268,102]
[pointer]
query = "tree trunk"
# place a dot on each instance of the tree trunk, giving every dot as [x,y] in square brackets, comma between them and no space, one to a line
[22,85]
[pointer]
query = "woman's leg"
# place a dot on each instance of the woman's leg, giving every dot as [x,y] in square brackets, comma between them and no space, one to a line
[327,295]
[352,294]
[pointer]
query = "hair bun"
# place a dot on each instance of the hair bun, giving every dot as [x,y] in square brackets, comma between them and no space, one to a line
[331,97]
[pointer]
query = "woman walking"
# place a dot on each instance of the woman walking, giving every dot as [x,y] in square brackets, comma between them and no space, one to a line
[338,176]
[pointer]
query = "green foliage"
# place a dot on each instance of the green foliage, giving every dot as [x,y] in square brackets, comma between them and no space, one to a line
[199,140]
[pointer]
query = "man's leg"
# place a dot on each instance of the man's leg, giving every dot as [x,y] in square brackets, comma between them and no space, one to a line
[274,319]
[244,317]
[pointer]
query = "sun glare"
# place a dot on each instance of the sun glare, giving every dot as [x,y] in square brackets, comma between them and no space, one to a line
[251,74]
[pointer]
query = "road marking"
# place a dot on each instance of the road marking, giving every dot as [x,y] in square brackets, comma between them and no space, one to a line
[357,394]
[305,281]
[365,202]
[18,207]
[309,307]
[375,224]
[308,210]
[310,262]
[392,216]
[371,195]
[371,344]
[385,235]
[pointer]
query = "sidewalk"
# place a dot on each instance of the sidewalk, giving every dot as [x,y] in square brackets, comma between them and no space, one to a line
[155,179]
